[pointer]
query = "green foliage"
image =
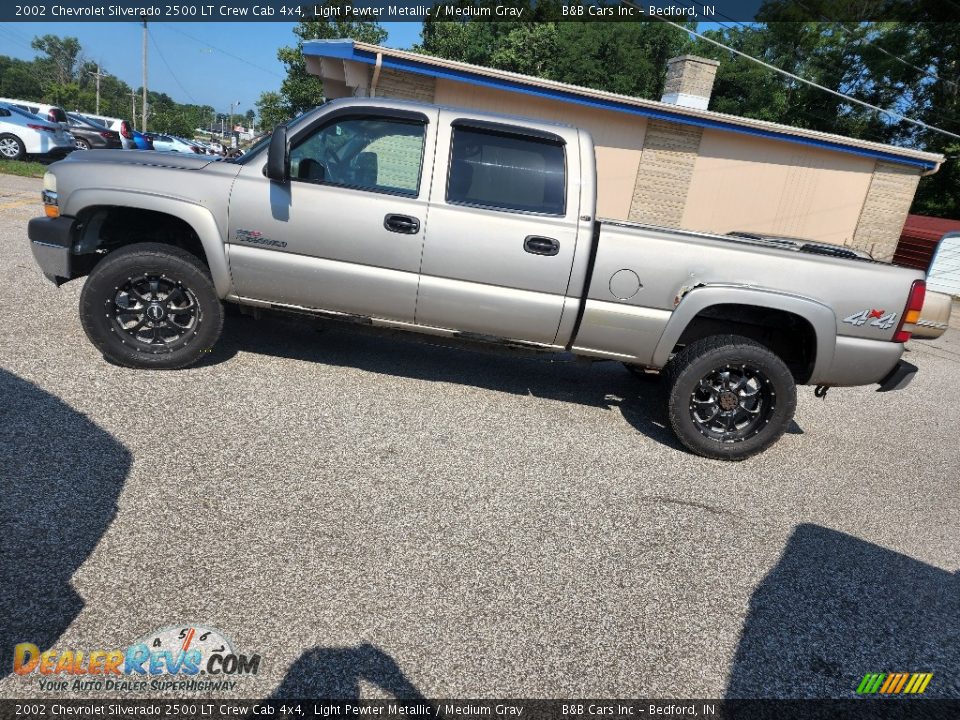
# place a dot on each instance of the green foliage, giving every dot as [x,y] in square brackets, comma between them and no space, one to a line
[18,79]
[301,91]
[23,168]
[62,57]
[622,57]
[62,77]
[272,109]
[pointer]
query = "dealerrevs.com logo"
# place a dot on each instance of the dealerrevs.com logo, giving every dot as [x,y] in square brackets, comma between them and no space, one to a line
[187,658]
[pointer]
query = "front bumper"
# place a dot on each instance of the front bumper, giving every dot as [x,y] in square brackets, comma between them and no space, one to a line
[898,378]
[51,240]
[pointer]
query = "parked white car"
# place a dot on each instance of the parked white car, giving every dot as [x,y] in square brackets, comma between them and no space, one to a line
[50,113]
[171,143]
[23,134]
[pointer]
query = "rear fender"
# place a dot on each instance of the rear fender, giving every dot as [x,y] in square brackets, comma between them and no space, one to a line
[820,317]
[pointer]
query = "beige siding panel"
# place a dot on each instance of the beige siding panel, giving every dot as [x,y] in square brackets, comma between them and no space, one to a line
[765,186]
[619,137]
[892,188]
[666,169]
[405,86]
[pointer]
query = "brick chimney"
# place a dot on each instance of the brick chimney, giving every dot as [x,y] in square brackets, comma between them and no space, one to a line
[689,81]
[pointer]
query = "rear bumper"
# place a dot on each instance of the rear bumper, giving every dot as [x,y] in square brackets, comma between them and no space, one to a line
[51,241]
[898,378]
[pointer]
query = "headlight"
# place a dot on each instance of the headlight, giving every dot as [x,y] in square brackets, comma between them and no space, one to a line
[49,196]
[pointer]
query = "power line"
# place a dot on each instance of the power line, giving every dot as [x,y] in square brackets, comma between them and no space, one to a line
[937,114]
[220,50]
[927,73]
[156,46]
[16,37]
[767,65]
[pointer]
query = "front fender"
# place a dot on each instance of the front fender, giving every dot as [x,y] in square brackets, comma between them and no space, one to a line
[199,218]
[820,317]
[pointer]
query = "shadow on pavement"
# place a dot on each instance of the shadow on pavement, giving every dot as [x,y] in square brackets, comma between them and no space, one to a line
[335,673]
[836,608]
[60,476]
[605,385]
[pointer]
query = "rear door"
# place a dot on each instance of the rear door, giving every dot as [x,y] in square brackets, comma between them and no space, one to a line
[346,233]
[503,229]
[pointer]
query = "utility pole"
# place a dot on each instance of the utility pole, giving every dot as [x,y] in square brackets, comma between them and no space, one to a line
[98,75]
[133,106]
[143,122]
[233,137]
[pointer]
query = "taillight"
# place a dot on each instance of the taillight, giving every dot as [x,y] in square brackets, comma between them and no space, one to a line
[911,313]
[107,135]
[45,128]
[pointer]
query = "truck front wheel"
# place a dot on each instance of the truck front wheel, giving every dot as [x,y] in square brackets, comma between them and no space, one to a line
[151,306]
[729,397]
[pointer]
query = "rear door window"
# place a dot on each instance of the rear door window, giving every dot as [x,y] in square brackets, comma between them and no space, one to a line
[506,171]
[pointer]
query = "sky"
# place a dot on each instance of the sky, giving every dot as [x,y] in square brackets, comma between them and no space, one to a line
[214,63]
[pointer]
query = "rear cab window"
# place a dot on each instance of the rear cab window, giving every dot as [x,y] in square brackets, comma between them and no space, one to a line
[503,168]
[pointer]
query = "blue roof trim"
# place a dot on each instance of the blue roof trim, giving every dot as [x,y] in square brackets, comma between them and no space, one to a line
[345,50]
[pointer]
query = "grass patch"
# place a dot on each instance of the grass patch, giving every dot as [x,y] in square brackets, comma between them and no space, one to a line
[23,168]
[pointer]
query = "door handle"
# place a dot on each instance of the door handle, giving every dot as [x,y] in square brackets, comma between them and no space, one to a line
[404,224]
[541,245]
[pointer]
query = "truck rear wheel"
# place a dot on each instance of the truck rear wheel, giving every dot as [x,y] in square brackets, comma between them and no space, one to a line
[729,397]
[151,306]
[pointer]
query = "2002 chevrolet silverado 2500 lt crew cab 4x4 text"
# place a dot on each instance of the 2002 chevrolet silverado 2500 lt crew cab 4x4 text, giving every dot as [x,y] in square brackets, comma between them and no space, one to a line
[466,225]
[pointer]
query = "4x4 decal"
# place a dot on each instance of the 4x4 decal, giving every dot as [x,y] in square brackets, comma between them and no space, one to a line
[880,319]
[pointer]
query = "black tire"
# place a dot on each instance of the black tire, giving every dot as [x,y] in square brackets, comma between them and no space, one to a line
[12,147]
[81,144]
[729,397]
[151,306]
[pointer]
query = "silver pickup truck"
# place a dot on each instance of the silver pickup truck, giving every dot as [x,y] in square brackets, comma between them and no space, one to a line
[469,226]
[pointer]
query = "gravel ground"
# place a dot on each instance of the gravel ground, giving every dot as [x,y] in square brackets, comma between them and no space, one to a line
[377,516]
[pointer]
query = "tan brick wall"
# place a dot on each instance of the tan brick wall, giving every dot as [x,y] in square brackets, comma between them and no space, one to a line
[666,168]
[885,209]
[406,86]
[690,75]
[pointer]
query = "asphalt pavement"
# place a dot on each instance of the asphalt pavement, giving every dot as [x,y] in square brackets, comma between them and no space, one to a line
[374,516]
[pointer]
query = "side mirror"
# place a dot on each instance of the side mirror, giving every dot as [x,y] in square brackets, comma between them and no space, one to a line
[278,157]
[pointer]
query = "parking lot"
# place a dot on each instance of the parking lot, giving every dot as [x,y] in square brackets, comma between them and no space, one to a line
[376,516]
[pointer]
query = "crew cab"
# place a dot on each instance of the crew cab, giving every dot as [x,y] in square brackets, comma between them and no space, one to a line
[473,227]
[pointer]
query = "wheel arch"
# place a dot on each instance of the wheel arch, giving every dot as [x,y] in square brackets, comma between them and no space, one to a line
[747,309]
[94,207]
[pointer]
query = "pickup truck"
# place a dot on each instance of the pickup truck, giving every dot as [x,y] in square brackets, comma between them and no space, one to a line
[473,227]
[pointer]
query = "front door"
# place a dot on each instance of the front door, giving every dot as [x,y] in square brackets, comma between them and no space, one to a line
[346,233]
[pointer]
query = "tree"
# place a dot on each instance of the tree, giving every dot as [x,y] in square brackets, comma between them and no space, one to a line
[63,57]
[300,90]
[622,57]
[272,109]
[19,79]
